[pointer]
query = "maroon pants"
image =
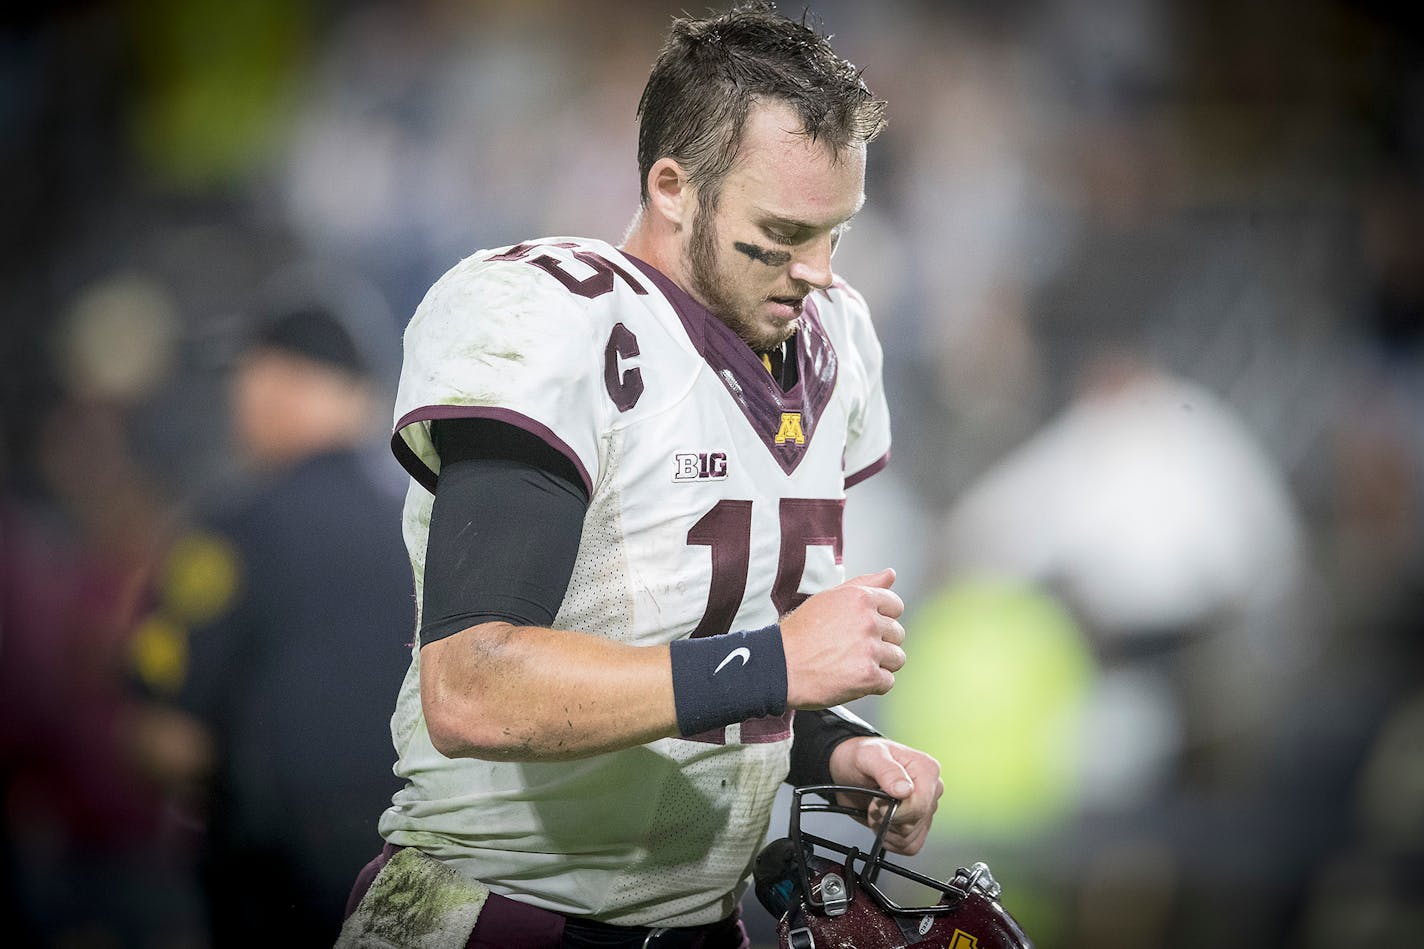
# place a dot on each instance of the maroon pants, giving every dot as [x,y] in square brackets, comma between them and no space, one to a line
[509,924]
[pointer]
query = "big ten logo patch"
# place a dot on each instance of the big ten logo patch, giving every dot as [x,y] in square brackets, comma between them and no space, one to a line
[790,430]
[699,466]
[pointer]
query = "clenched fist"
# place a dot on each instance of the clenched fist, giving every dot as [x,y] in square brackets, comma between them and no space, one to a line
[844,643]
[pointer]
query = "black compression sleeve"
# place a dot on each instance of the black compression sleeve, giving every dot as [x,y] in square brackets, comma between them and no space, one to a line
[815,734]
[504,529]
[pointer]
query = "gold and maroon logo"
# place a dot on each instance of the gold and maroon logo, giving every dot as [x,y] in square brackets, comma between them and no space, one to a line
[790,431]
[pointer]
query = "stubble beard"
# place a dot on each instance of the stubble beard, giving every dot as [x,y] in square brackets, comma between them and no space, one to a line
[708,284]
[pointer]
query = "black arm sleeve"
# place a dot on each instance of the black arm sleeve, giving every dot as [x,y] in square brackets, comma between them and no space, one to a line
[815,734]
[504,529]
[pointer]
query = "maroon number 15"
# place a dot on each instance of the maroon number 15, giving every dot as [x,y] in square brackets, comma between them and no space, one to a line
[727,531]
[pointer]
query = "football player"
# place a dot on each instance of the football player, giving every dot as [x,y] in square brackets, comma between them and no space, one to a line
[629,465]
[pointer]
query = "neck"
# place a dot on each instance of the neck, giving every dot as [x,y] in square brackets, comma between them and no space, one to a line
[656,242]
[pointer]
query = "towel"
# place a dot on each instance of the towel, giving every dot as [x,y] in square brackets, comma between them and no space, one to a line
[415,902]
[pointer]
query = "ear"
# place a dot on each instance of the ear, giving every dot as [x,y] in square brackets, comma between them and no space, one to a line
[669,193]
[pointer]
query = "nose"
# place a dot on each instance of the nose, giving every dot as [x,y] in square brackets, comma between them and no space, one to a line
[812,264]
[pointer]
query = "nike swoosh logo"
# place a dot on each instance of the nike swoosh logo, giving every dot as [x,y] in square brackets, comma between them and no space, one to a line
[741,652]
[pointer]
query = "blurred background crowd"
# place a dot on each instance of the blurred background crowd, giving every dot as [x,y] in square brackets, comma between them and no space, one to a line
[1150,281]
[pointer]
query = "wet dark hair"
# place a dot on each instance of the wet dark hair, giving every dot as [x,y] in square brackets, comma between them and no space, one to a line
[711,70]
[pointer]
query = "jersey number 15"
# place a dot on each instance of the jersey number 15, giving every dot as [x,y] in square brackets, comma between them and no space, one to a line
[727,531]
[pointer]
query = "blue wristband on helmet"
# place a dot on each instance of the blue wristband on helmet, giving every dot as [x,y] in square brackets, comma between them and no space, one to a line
[720,680]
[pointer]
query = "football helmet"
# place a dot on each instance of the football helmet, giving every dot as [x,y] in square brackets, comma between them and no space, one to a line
[827,895]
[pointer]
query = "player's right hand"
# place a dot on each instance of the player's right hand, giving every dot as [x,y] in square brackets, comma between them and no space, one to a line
[844,643]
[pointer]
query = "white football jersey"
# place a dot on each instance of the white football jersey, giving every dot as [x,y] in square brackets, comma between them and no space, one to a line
[715,505]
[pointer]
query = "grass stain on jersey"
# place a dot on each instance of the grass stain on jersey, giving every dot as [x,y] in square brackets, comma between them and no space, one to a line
[506,355]
[468,397]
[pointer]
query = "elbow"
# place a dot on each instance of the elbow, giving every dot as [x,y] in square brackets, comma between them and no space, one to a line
[469,713]
[463,730]
[462,715]
[449,739]
[487,734]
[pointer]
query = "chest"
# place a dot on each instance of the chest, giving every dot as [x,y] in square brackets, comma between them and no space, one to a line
[727,518]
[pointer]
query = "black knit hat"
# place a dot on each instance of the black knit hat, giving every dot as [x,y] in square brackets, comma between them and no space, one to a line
[313,333]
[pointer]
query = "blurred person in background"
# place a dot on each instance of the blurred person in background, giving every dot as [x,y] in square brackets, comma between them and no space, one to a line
[1159,520]
[280,633]
[83,520]
[1171,640]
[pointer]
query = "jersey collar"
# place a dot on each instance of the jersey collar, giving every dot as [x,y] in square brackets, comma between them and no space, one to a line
[785,421]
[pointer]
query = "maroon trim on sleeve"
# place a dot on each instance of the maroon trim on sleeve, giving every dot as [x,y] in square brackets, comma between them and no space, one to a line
[417,469]
[873,468]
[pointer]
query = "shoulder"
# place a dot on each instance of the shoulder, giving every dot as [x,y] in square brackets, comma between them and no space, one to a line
[846,317]
[529,331]
[534,276]
[259,517]
[848,297]
[556,294]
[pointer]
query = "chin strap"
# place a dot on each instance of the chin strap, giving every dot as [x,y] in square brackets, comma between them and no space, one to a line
[798,937]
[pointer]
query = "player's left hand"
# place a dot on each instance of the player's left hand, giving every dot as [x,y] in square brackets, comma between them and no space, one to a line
[901,771]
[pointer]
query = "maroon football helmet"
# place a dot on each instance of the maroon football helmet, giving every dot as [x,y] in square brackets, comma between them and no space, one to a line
[828,895]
